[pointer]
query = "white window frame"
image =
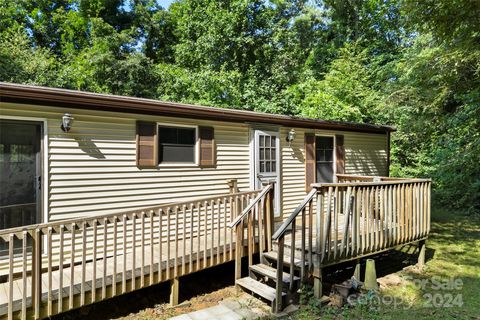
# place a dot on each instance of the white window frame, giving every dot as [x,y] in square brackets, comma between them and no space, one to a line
[196,148]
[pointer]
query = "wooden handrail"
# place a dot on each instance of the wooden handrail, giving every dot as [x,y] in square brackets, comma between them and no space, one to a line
[58,223]
[283,228]
[255,201]
[367,184]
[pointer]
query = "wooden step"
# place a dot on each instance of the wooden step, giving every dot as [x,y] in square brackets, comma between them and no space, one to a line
[273,255]
[271,273]
[258,288]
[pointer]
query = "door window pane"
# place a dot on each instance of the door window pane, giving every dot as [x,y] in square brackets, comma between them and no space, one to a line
[267,153]
[324,158]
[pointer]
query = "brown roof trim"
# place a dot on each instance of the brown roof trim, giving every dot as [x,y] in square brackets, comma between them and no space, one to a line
[18,93]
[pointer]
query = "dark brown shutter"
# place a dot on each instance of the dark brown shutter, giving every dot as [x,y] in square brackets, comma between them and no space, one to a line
[147,144]
[207,147]
[310,161]
[340,154]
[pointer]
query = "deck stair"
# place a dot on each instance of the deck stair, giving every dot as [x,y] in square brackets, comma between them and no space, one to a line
[262,279]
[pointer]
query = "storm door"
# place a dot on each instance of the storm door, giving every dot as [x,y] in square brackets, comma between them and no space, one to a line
[267,164]
[20,179]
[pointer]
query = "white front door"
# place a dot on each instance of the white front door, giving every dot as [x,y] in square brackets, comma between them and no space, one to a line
[266,154]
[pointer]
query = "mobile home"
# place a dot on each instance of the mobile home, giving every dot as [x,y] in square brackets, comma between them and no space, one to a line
[102,194]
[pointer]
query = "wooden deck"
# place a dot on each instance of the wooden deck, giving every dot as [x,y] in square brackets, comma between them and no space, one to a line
[55,267]
[118,270]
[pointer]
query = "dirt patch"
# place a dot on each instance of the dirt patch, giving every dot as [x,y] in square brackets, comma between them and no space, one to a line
[165,311]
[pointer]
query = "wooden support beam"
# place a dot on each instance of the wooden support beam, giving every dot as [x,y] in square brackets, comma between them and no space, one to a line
[174,290]
[317,283]
[421,254]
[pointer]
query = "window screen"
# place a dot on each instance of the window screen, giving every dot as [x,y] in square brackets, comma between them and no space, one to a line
[176,144]
[324,158]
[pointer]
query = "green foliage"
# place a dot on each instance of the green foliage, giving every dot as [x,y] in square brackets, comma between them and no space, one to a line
[410,63]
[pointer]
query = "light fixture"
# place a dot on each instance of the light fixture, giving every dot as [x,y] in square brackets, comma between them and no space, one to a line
[67,121]
[291,136]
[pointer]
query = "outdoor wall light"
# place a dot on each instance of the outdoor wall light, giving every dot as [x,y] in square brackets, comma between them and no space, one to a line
[291,136]
[67,121]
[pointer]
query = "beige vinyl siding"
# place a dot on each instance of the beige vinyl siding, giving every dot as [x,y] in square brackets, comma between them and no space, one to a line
[365,154]
[92,169]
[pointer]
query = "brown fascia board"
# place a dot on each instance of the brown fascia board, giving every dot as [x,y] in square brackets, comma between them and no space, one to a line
[10,92]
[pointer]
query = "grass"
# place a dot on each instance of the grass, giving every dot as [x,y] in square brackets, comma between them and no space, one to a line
[448,287]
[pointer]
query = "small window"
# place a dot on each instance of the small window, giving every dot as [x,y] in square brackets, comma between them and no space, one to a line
[176,144]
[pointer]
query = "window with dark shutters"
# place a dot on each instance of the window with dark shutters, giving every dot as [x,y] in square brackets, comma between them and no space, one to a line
[147,144]
[310,163]
[207,157]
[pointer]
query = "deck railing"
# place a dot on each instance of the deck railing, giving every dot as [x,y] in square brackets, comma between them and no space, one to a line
[355,217]
[358,218]
[67,264]
[257,219]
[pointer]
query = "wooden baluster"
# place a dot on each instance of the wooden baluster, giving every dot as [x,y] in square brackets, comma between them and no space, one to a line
[49,272]
[320,224]
[369,220]
[238,250]
[302,244]
[279,284]
[358,207]
[24,274]
[212,242]
[224,230]
[72,266]
[335,222]
[429,205]
[230,231]
[328,226]
[292,254]
[353,224]
[142,249]
[373,219]
[199,234]
[417,192]
[134,254]
[250,235]
[269,214]
[219,231]
[124,271]
[190,261]
[261,242]
[310,235]
[104,260]
[169,227]
[206,224]
[115,240]
[184,237]
[84,261]
[60,269]
[94,261]
[11,239]
[160,244]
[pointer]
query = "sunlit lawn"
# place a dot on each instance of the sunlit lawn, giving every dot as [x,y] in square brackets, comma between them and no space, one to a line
[451,279]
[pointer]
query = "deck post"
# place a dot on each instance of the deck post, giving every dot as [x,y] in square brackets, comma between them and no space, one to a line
[317,282]
[421,254]
[232,185]
[174,290]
